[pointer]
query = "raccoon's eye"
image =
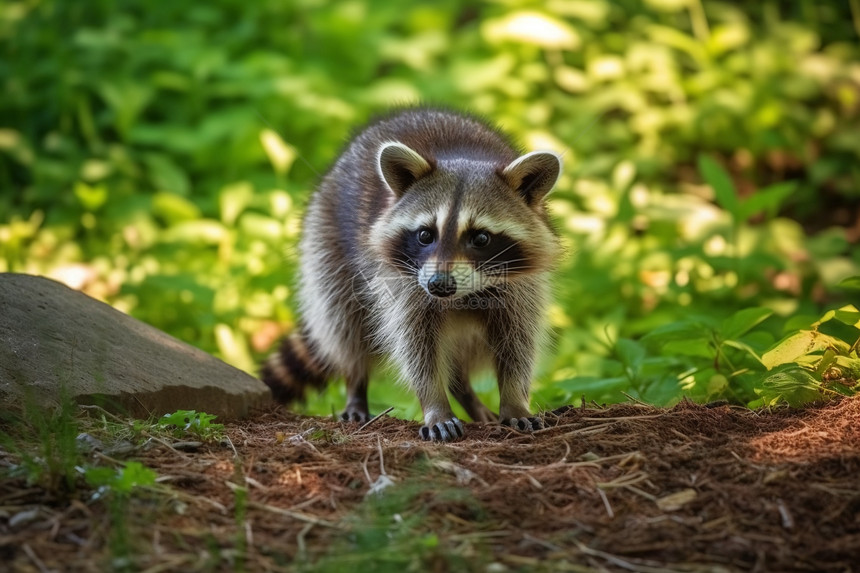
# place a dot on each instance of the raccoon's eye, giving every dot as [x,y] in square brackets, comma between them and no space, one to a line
[481,239]
[425,236]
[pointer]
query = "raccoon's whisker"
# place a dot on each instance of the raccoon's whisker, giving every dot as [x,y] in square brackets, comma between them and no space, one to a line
[508,262]
[502,265]
[509,267]
[503,251]
[407,263]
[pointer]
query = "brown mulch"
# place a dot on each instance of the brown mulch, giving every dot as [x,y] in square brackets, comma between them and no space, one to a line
[623,488]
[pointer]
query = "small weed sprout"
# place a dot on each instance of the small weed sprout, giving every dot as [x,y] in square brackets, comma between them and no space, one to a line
[198,424]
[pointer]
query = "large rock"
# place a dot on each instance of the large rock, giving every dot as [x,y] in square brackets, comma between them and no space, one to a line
[55,340]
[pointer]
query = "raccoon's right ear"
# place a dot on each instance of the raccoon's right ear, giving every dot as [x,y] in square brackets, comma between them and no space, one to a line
[533,174]
[400,166]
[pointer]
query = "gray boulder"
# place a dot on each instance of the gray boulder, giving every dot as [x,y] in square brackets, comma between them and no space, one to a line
[56,341]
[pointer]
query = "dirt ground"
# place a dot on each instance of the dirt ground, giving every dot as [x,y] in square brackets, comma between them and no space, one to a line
[622,488]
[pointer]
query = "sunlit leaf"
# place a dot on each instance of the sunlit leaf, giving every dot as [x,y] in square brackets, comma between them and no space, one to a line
[532,28]
[847,315]
[202,231]
[280,154]
[728,37]
[91,197]
[233,199]
[668,5]
[794,346]
[174,208]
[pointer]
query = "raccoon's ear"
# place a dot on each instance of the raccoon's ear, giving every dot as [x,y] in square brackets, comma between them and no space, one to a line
[400,166]
[533,174]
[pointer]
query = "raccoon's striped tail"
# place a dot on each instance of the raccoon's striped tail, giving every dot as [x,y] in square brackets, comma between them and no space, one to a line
[293,368]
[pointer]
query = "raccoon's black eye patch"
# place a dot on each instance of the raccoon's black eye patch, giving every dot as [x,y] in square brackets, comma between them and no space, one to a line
[426,236]
[480,240]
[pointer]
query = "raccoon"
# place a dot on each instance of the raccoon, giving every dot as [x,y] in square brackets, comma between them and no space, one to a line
[427,243]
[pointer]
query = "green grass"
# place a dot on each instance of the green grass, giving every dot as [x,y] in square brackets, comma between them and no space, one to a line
[74,455]
[405,529]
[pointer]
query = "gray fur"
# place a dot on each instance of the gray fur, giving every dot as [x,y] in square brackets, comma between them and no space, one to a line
[362,299]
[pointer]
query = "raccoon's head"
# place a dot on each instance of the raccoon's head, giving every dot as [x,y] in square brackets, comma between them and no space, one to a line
[462,223]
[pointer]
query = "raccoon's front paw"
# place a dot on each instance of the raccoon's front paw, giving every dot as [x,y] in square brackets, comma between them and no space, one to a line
[525,424]
[355,414]
[445,431]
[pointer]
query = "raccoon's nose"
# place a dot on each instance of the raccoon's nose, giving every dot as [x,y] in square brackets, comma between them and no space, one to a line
[442,285]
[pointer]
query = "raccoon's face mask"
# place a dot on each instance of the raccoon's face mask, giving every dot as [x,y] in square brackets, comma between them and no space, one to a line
[460,225]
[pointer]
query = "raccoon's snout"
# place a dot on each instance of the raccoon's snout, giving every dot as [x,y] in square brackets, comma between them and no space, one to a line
[442,285]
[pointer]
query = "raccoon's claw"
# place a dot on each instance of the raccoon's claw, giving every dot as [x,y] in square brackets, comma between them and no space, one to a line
[355,415]
[446,431]
[525,424]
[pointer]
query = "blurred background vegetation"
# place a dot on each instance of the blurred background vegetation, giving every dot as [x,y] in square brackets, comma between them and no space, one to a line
[158,155]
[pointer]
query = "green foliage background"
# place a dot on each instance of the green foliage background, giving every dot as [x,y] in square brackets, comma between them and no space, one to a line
[158,155]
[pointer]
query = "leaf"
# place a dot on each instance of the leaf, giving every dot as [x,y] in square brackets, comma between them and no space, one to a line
[123,480]
[100,476]
[629,352]
[198,232]
[742,322]
[91,197]
[180,419]
[719,180]
[795,386]
[132,475]
[768,199]
[174,208]
[743,347]
[700,347]
[280,154]
[682,330]
[717,384]
[166,175]
[796,345]
[848,315]
[233,199]
[532,28]
[594,385]
[850,283]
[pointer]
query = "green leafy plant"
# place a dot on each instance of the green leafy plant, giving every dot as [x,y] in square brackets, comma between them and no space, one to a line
[191,422]
[117,487]
[737,359]
[122,480]
[810,363]
[44,439]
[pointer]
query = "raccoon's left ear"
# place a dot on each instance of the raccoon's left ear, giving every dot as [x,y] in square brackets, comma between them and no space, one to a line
[533,174]
[400,166]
